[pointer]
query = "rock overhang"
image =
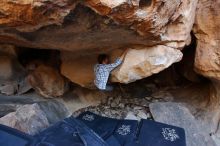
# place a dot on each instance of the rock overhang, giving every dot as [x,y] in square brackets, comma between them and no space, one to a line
[89,27]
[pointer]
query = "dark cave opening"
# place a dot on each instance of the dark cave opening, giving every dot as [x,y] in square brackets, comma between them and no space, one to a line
[30,58]
[177,75]
[182,72]
[145,3]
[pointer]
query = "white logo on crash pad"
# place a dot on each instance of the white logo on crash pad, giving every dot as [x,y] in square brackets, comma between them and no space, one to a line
[88,117]
[170,134]
[124,130]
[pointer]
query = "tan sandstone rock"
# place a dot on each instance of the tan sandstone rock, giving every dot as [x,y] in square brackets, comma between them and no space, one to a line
[207,59]
[138,63]
[94,26]
[29,15]
[47,81]
[207,31]
[141,63]
[78,69]
[156,22]
[172,20]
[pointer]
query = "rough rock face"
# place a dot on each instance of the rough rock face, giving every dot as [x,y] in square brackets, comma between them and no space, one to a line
[151,17]
[207,31]
[47,81]
[27,15]
[138,63]
[207,62]
[33,118]
[78,69]
[12,73]
[94,26]
[29,119]
[156,30]
[143,63]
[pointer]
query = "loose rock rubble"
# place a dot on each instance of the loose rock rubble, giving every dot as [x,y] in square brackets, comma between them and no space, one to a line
[123,108]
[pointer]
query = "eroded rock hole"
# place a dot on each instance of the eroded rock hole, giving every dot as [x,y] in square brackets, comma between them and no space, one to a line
[31,58]
[145,3]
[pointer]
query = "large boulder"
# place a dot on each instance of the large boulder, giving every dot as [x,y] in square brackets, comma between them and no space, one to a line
[33,118]
[78,69]
[207,31]
[141,63]
[47,81]
[95,26]
[177,114]
[207,59]
[138,63]
[29,119]
[12,73]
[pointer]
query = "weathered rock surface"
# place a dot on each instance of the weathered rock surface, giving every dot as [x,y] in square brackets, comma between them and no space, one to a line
[207,31]
[178,115]
[141,63]
[78,69]
[152,17]
[28,15]
[155,18]
[95,26]
[54,110]
[29,118]
[207,59]
[202,101]
[12,73]
[10,88]
[33,118]
[83,30]
[158,29]
[47,81]
[11,69]
[138,63]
